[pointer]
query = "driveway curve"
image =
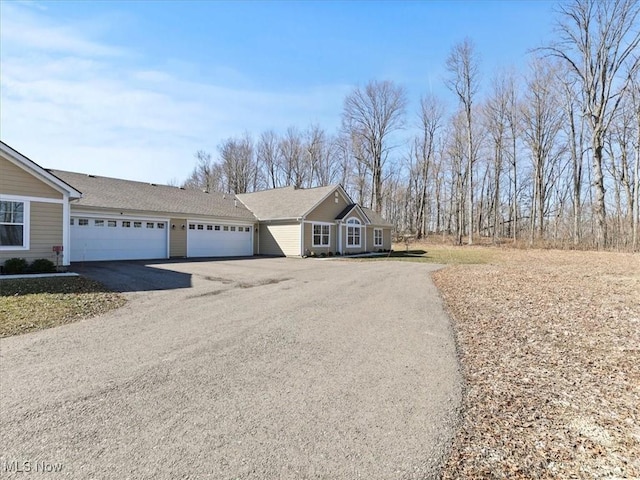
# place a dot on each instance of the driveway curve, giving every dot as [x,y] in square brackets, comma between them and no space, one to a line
[263,368]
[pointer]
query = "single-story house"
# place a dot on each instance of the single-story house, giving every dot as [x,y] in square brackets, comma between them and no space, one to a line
[99,218]
[303,221]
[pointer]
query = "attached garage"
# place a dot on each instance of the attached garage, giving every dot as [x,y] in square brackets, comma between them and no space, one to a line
[94,239]
[219,240]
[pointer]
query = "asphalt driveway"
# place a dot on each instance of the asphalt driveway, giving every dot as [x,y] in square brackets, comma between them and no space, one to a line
[263,368]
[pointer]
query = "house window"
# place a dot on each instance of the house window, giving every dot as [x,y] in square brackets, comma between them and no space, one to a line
[83,222]
[13,223]
[112,223]
[217,228]
[150,225]
[377,237]
[126,224]
[192,226]
[233,229]
[353,232]
[160,226]
[200,227]
[321,235]
[225,228]
[137,224]
[72,222]
[98,223]
[210,227]
[247,229]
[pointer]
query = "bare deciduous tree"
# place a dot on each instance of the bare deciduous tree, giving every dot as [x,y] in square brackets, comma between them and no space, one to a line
[462,65]
[598,39]
[371,115]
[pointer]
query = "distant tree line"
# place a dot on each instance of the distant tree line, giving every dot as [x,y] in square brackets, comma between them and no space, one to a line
[551,155]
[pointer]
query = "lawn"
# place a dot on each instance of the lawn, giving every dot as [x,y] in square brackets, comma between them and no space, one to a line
[33,304]
[549,343]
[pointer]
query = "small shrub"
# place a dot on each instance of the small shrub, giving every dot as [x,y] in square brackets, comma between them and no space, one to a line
[330,254]
[42,265]
[323,255]
[15,266]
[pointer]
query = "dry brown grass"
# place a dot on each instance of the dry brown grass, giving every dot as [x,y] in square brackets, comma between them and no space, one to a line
[549,343]
[35,303]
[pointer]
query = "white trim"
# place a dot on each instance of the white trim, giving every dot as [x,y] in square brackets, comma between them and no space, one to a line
[339,246]
[26,227]
[36,170]
[168,229]
[353,225]
[381,244]
[319,223]
[313,235]
[93,215]
[66,232]
[21,198]
[302,252]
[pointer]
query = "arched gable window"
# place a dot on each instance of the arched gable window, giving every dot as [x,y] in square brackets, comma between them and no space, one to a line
[353,232]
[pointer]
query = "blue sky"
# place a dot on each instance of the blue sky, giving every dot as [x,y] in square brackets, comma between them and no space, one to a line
[132,89]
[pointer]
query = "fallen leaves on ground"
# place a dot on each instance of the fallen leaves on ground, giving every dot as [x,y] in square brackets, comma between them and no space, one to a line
[37,303]
[549,343]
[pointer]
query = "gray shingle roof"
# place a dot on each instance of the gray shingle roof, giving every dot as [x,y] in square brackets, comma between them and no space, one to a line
[105,192]
[376,218]
[284,203]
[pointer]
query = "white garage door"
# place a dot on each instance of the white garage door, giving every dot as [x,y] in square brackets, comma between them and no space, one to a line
[219,240]
[107,239]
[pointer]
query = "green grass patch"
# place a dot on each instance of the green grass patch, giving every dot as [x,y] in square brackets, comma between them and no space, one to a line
[447,255]
[37,303]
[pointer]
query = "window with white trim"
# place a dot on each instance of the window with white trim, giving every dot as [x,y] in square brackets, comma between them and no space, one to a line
[150,225]
[210,228]
[126,224]
[137,224]
[12,224]
[353,232]
[98,223]
[377,237]
[321,235]
[112,223]
[83,222]
[192,226]
[160,226]
[217,228]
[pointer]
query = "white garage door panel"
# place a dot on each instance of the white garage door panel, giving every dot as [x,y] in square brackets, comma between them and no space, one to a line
[93,243]
[219,243]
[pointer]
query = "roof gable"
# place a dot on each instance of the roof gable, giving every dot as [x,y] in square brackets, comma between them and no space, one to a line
[350,209]
[37,171]
[286,203]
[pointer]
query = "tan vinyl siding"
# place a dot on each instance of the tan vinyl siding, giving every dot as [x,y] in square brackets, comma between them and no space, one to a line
[308,240]
[280,239]
[386,239]
[328,209]
[177,237]
[16,181]
[45,232]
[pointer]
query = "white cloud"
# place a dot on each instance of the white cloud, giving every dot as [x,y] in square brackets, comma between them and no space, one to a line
[70,102]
